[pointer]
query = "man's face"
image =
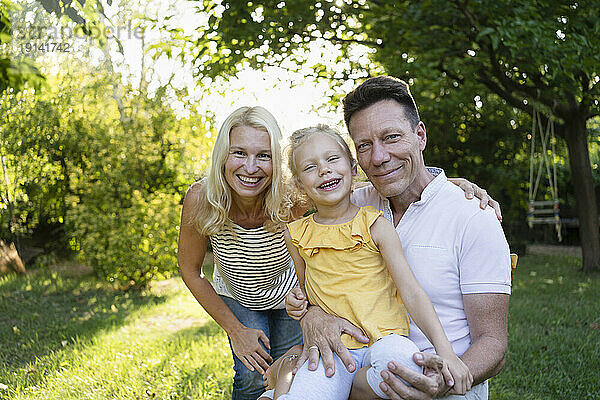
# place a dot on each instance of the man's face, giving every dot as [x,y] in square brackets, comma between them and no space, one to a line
[388,149]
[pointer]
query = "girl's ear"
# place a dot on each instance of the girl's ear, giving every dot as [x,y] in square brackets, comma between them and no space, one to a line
[354,168]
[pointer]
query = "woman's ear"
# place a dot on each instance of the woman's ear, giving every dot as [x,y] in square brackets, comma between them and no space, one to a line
[354,168]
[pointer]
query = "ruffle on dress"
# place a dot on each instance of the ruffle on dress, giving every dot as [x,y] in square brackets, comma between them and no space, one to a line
[310,236]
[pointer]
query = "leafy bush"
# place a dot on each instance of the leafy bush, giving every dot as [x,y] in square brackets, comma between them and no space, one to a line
[132,245]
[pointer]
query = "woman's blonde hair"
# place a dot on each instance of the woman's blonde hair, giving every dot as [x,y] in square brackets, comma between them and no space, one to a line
[214,202]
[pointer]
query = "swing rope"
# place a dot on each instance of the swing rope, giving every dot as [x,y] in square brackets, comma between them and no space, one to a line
[546,135]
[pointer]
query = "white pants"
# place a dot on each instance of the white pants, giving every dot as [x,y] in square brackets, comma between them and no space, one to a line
[314,385]
[477,392]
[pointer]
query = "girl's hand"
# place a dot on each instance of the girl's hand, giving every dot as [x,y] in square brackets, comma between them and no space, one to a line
[298,314]
[457,375]
[296,304]
[246,346]
[270,377]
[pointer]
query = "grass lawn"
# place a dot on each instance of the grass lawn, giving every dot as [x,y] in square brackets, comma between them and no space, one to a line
[64,335]
[73,337]
[554,333]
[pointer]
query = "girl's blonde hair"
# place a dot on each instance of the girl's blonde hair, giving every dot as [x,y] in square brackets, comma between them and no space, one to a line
[214,202]
[302,135]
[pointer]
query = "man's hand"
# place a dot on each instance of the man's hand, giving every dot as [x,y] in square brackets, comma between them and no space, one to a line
[296,304]
[321,334]
[428,385]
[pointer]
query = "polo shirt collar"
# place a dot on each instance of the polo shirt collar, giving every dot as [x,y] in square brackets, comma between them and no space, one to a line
[428,193]
[434,186]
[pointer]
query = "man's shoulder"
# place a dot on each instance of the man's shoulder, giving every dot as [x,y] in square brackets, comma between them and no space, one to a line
[452,198]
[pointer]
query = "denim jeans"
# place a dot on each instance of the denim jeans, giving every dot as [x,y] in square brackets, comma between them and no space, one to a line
[283,332]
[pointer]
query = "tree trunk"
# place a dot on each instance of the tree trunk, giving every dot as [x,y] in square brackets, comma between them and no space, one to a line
[581,171]
[9,259]
[9,200]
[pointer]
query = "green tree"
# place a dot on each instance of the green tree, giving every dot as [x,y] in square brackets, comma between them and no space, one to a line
[530,54]
[33,154]
[14,72]
[540,54]
[471,135]
[128,190]
[17,71]
[102,164]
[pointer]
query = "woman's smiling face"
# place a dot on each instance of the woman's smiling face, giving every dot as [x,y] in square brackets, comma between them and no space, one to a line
[249,165]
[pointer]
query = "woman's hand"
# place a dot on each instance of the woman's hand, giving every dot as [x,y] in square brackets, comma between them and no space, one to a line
[472,189]
[296,304]
[246,346]
[461,378]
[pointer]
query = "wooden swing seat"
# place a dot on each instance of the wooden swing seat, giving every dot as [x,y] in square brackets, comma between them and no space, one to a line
[543,212]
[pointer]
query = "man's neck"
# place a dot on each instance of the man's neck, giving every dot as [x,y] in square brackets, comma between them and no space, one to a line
[399,204]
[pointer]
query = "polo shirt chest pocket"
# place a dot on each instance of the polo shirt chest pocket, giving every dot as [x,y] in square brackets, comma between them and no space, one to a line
[432,265]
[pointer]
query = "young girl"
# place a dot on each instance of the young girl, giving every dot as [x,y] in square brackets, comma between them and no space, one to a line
[349,261]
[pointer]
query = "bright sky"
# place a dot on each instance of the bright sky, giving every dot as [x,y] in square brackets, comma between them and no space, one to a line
[294,107]
[294,100]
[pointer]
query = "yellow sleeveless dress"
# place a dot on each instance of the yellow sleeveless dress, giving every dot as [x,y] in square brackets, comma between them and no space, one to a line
[346,275]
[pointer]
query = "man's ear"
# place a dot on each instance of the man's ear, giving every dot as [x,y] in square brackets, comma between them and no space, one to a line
[422,134]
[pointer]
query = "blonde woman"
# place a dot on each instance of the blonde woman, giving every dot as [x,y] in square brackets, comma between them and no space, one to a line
[240,207]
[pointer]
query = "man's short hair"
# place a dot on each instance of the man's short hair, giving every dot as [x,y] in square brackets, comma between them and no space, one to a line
[377,89]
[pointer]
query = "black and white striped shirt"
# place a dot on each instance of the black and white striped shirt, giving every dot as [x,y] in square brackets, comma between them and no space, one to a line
[253,266]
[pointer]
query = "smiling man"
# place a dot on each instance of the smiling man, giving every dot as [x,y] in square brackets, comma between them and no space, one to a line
[457,251]
[389,143]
